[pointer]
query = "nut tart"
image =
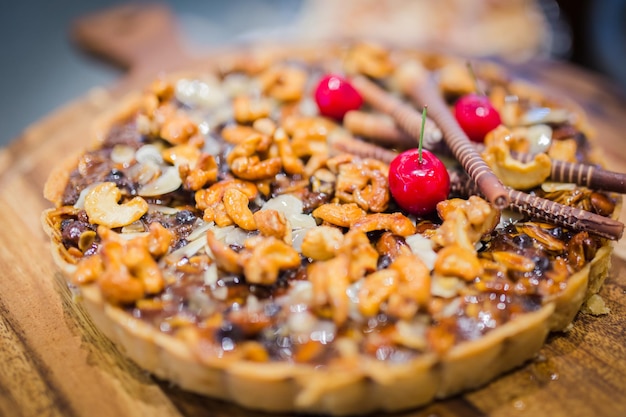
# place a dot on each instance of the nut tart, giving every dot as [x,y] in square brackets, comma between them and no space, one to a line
[233,230]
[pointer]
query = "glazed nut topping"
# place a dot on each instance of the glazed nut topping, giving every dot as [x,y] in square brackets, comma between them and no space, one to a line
[514,261]
[247,110]
[601,204]
[246,163]
[377,288]
[465,222]
[267,259]
[363,182]
[201,173]
[458,261]
[321,243]
[124,270]
[362,256]
[397,223]
[159,239]
[369,59]
[236,133]
[211,200]
[185,154]
[273,223]
[456,79]
[330,280]
[342,215]
[542,236]
[563,150]
[398,291]
[413,287]
[236,205]
[102,207]
[291,163]
[225,257]
[178,129]
[285,83]
[512,172]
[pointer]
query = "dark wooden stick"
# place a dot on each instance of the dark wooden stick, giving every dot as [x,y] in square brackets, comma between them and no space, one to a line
[426,93]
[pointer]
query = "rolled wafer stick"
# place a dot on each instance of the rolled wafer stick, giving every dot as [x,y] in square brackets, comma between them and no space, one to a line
[588,176]
[378,128]
[581,174]
[562,215]
[426,93]
[462,185]
[546,210]
[403,114]
[535,207]
[362,149]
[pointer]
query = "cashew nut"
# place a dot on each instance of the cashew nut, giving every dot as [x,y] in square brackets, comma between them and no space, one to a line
[512,172]
[464,221]
[273,223]
[101,205]
[225,257]
[362,255]
[456,261]
[397,223]
[563,150]
[321,243]
[291,164]
[268,258]
[377,288]
[369,59]
[330,281]
[248,110]
[413,286]
[236,204]
[285,83]
[339,214]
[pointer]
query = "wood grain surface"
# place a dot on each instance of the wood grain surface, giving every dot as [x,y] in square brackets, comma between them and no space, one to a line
[53,362]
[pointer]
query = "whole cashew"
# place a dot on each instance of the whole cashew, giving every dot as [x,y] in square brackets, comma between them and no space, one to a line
[101,205]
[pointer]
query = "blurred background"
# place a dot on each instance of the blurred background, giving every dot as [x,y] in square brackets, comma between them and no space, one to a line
[42,69]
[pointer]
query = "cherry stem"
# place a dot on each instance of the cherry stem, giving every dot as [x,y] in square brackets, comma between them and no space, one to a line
[475,79]
[419,149]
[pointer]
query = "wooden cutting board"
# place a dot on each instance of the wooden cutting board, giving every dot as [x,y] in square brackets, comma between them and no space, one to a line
[53,362]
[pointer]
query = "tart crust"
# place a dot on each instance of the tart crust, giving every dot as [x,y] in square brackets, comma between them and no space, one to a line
[352,388]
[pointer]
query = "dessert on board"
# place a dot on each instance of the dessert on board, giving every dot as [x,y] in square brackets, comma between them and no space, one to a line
[340,229]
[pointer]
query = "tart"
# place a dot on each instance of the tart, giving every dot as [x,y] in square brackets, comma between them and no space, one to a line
[233,236]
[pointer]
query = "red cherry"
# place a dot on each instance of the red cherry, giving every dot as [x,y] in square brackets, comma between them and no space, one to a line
[335,96]
[417,186]
[476,116]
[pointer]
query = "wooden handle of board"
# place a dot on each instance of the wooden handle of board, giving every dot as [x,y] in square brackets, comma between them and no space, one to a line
[131,36]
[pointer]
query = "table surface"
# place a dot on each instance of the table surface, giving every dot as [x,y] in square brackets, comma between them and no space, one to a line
[53,362]
[42,69]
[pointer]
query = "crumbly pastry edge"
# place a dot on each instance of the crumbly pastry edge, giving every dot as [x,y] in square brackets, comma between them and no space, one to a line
[361,387]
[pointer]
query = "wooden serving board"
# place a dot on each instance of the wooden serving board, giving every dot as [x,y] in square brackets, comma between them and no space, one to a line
[53,362]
